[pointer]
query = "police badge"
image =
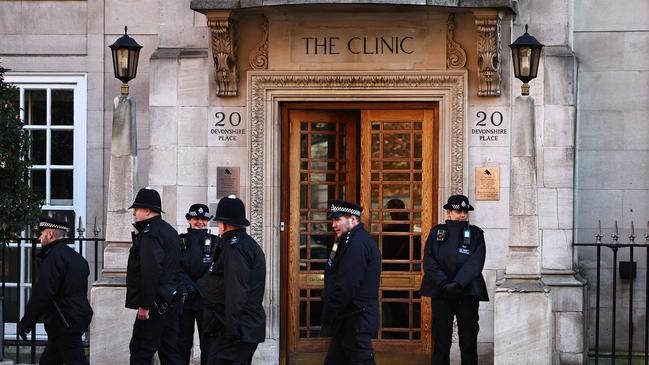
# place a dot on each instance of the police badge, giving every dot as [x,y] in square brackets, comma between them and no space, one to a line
[441,235]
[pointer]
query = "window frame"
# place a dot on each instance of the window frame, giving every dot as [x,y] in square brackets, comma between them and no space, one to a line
[49,81]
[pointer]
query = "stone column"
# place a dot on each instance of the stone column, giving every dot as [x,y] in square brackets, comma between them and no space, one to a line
[111,326]
[523,305]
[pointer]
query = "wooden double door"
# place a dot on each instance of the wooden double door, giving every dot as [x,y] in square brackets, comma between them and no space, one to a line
[384,157]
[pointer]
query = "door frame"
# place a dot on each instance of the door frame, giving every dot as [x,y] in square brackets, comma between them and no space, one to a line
[363,108]
[266,90]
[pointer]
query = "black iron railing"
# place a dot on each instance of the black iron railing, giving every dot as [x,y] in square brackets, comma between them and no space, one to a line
[14,266]
[627,271]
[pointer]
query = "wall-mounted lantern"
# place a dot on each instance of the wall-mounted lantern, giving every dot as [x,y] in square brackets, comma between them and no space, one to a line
[126,52]
[526,53]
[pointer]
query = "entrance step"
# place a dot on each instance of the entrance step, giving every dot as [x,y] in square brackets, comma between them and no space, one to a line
[381,359]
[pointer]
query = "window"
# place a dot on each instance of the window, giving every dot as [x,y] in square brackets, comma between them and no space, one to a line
[53,108]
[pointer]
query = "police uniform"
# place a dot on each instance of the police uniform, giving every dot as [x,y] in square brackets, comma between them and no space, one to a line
[350,312]
[60,295]
[233,291]
[454,257]
[152,279]
[197,249]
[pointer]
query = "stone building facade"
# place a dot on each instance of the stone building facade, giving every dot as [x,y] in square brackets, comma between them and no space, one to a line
[291,103]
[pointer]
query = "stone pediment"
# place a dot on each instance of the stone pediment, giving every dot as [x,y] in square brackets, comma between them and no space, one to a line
[199,5]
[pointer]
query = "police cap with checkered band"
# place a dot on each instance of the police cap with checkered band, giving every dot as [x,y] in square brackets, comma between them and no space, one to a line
[338,208]
[198,211]
[458,202]
[53,223]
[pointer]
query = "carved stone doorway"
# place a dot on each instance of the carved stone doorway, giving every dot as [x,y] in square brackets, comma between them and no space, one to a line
[267,91]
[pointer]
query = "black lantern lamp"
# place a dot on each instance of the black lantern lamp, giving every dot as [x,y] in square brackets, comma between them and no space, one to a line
[526,53]
[125,55]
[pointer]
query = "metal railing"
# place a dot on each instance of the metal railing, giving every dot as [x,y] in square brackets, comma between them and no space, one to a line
[81,244]
[627,271]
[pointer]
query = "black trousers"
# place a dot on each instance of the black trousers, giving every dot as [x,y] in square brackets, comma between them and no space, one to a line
[159,334]
[186,334]
[224,352]
[466,311]
[64,349]
[349,347]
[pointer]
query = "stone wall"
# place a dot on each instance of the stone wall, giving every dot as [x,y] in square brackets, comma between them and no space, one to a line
[612,161]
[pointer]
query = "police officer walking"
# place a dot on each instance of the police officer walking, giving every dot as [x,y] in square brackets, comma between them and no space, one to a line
[454,256]
[234,290]
[350,312]
[197,249]
[60,294]
[152,279]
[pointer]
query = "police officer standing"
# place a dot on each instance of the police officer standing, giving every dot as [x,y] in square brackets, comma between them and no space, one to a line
[197,249]
[152,279]
[234,289]
[60,293]
[454,256]
[350,312]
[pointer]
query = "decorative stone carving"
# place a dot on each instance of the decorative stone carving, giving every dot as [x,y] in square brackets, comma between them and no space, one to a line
[260,88]
[455,55]
[489,57]
[259,59]
[224,51]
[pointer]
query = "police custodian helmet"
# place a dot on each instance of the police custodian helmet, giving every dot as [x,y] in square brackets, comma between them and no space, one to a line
[231,211]
[147,198]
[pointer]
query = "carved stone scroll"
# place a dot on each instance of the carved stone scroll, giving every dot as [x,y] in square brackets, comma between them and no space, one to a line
[259,59]
[224,51]
[455,55]
[489,57]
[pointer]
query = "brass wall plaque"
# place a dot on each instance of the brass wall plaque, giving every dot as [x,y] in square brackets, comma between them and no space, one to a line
[311,280]
[227,181]
[487,183]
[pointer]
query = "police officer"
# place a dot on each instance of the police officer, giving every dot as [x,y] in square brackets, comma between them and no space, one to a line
[152,279]
[234,289]
[60,293]
[454,256]
[197,248]
[350,312]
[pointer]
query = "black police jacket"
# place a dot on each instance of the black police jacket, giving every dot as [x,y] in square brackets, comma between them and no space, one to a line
[447,258]
[197,249]
[63,282]
[351,287]
[153,271]
[233,290]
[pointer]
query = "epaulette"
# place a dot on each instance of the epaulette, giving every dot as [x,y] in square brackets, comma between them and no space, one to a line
[478,228]
[234,240]
[438,226]
[147,229]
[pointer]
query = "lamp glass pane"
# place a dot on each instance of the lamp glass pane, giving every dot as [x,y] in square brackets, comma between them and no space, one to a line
[515,61]
[536,56]
[525,57]
[122,62]
[133,57]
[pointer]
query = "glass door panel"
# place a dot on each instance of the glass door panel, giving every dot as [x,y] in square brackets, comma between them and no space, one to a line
[399,201]
[322,167]
[385,160]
